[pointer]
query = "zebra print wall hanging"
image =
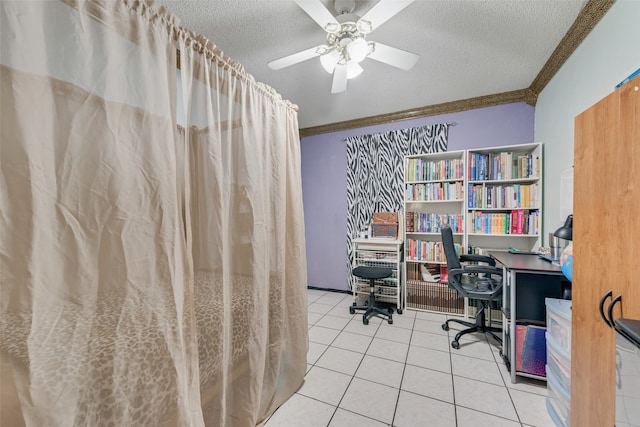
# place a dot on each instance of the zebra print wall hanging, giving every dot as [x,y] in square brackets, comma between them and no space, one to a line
[375,173]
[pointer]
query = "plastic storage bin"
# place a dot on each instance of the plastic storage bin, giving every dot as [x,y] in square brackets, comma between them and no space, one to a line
[559,399]
[554,416]
[559,362]
[559,322]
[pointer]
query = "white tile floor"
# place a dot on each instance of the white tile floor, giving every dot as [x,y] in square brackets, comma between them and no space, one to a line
[405,374]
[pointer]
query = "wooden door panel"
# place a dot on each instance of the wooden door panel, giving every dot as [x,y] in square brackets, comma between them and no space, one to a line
[594,228]
[606,235]
[629,201]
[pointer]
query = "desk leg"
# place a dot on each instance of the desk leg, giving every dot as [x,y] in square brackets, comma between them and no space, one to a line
[505,320]
[512,325]
[509,321]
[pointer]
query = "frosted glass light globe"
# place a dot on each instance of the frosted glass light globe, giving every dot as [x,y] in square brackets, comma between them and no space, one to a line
[358,49]
[329,61]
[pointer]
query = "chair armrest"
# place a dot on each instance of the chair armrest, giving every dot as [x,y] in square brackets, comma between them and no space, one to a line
[478,258]
[481,269]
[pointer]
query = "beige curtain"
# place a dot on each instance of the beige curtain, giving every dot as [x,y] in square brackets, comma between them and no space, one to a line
[149,277]
[248,236]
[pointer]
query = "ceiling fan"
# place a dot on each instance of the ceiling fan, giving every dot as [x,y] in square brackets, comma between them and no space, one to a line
[346,45]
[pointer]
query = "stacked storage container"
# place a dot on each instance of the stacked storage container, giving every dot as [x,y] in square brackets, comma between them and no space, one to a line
[559,360]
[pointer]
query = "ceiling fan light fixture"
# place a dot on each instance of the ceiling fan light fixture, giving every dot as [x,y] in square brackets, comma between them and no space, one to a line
[346,45]
[358,49]
[330,60]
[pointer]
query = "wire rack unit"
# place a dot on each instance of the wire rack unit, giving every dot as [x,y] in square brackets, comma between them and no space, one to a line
[380,252]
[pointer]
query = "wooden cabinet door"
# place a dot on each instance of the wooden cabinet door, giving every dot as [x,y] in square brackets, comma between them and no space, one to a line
[629,202]
[605,237]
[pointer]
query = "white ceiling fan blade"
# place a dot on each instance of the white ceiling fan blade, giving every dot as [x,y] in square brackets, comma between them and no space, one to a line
[381,12]
[319,13]
[339,79]
[278,64]
[393,56]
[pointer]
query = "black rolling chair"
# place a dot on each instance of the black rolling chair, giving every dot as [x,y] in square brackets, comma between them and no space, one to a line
[372,274]
[482,283]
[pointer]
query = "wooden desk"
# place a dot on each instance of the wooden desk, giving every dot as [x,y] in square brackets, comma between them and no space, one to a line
[527,281]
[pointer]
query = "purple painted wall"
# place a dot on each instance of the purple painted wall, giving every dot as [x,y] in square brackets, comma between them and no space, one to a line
[324,177]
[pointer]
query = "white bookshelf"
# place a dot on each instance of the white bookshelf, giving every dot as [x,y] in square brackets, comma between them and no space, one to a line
[434,195]
[504,197]
[495,208]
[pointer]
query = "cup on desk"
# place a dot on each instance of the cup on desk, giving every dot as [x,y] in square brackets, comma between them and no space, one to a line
[555,246]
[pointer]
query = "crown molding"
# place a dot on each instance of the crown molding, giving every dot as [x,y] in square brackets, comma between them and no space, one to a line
[430,110]
[587,19]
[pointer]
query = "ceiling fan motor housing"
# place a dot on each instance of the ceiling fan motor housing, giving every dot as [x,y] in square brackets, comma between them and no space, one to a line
[349,41]
[344,6]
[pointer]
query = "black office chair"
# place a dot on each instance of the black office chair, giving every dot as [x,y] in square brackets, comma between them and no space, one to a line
[372,274]
[482,283]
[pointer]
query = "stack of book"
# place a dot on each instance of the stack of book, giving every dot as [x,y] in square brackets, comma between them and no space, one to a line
[427,289]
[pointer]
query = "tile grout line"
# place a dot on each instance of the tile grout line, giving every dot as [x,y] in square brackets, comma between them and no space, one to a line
[404,368]
[412,330]
[337,406]
[354,373]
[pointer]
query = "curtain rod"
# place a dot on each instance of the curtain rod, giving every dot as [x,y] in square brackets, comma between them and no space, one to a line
[345,139]
[446,124]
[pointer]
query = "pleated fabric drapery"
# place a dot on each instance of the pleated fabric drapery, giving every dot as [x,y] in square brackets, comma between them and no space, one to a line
[150,275]
[243,153]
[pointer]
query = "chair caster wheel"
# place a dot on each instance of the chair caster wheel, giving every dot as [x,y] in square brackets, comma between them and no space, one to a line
[352,310]
[445,327]
[365,320]
[399,311]
[390,321]
[455,344]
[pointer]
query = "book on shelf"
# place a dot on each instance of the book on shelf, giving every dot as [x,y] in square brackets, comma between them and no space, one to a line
[433,296]
[477,250]
[503,196]
[444,274]
[426,250]
[519,222]
[515,222]
[423,222]
[434,191]
[503,165]
[429,170]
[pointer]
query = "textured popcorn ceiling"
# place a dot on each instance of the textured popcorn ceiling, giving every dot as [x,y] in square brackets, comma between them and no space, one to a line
[467,48]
